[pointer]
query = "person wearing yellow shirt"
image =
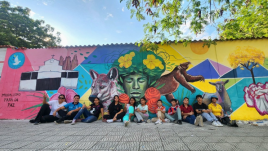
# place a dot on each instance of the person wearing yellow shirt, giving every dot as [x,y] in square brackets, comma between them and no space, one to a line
[216,108]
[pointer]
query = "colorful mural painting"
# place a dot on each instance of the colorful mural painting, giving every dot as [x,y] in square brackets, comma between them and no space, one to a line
[235,71]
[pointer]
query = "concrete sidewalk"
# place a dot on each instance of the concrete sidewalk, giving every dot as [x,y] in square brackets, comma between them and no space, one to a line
[22,135]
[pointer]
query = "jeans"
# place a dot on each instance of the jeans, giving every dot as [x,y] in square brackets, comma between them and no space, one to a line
[189,119]
[141,116]
[176,116]
[88,116]
[209,116]
[130,111]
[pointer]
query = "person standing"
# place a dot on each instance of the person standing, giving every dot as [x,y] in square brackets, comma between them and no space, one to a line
[45,114]
[72,110]
[141,112]
[90,116]
[202,109]
[174,112]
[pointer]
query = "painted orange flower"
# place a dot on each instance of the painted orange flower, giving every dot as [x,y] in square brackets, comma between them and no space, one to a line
[123,98]
[125,61]
[152,95]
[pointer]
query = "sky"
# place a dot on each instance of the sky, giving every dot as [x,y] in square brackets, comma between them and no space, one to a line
[88,22]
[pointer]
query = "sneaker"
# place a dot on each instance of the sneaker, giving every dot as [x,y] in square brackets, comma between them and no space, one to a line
[219,123]
[73,122]
[110,121]
[36,123]
[157,122]
[175,121]
[119,120]
[67,121]
[201,121]
[167,120]
[139,121]
[197,121]
[148,121]
[32,121]
[126,123]
[56,122]
[214,123]
[179,122]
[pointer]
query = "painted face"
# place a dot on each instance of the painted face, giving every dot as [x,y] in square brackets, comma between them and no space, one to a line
[76,99]
[135,85]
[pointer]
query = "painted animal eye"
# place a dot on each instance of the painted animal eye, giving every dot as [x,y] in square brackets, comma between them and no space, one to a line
[102,87]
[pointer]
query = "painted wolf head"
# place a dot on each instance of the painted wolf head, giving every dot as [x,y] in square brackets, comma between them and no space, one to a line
[104,86]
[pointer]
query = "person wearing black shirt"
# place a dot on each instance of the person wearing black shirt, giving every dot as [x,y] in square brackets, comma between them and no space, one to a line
[90,116]
[115,111]
[201,111]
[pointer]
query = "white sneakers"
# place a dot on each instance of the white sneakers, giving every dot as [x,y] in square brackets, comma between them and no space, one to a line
[167,120]
[73,122]
[217,123]
[158,122]
[110,121]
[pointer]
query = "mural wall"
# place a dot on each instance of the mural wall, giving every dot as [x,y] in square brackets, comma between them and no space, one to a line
[235,71]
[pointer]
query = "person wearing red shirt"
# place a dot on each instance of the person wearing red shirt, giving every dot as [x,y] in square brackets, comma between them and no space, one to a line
[174,112]
[188,113]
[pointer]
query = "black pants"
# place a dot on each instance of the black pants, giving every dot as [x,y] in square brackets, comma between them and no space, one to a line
[44,111]
[64,115]
[111,116]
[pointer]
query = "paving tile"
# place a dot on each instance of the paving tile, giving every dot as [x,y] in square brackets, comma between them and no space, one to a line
[151,146]
[100,133]
[58,145]
[15,145]
[248,146]
[5,142]
[152,138]
[171,139]
[199,146]
[221,146]
[128,146]
[92,138]
[131,138]
[254,139]
[234,139]
[82,145]
[111,138]
[37,145]
[215,139]
[117,133]
[193,139]
[54,138]
[72,139]
[175,146]
[105,145]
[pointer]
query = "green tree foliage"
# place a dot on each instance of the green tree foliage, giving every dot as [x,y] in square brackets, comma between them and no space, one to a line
[250,20]
[166,17]
[18,29]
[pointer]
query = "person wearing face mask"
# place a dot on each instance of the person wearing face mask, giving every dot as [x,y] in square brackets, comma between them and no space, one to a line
[45,115]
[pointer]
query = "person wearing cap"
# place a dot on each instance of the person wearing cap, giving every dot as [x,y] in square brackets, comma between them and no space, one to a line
[216,108]
[202,109]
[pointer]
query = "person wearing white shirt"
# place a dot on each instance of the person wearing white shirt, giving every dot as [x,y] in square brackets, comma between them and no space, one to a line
[141,111]
[45,115]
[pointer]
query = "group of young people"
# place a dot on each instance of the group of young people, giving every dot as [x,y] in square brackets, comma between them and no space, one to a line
[59,111]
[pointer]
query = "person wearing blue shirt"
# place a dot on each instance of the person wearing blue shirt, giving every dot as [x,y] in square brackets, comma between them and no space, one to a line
[72,110]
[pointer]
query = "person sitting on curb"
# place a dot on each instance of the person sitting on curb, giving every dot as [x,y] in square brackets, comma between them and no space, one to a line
[90,116]
[72,108]
[202,109]
[115,111]
[141,112]
[188,114]
[129,110]
[45,115]
[174,112]
[160,113]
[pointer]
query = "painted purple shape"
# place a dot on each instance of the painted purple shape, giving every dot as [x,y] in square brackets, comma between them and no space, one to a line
[221,69]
